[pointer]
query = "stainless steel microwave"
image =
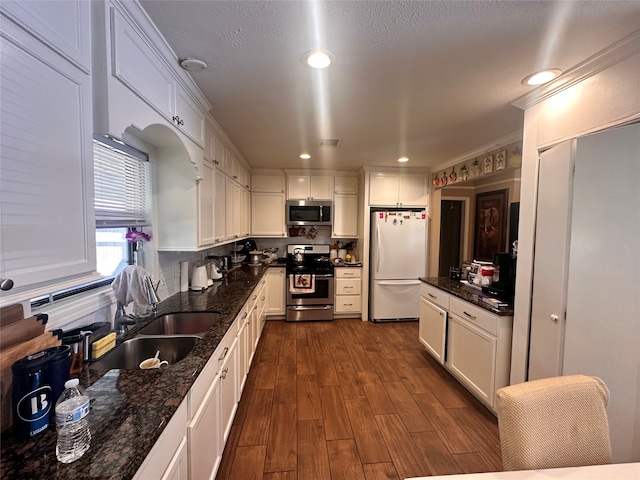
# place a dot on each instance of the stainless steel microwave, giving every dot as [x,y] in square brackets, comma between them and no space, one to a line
[303,212]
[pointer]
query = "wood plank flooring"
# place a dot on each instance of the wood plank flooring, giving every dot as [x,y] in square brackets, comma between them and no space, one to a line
[354,400]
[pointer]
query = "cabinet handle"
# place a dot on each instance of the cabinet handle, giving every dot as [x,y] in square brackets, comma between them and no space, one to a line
[6,284]
[223,373]
[432,296]
[224,353]
[347,286]
[348,274]
[262,298]
[472,317]
[177,119]
[254,297]
[245,314]
[348,304]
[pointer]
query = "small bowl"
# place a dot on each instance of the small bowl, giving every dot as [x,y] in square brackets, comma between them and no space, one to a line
[238,258]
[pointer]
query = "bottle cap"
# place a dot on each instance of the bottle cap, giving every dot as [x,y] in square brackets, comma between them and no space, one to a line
[71,383]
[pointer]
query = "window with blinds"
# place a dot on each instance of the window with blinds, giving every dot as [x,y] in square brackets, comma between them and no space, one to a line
[120,174]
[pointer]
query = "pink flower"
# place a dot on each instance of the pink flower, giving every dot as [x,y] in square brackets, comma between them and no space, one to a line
[136,235]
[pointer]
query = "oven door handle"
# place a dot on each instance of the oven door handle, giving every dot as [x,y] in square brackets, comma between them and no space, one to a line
[310,307]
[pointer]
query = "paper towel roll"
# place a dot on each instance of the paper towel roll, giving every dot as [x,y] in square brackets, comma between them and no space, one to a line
[342,253]
[184,276]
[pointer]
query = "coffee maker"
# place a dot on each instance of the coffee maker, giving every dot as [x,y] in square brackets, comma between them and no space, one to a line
[504,288]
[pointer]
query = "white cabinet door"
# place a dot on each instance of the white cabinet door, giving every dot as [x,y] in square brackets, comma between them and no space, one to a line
[220,212]
[46,171]
[433,329]
[188,117]
[401,190]
[204,434]
[228,391]
[304,187]
[383,188]
[233,209]
[243,354]
[471,357]
[413,190]
[553,218]
[345,216]
[219,154]
[179,467]
[206,196]
[267,183]
[65,26]
[321,187]
[345,185]
[167,457]
[137,66]
[275,291]
[246,213]
[267,214]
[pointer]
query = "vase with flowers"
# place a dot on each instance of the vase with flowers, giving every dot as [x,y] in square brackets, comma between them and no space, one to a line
[137,239]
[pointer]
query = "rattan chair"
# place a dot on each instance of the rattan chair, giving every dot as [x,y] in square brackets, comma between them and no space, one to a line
[554,422]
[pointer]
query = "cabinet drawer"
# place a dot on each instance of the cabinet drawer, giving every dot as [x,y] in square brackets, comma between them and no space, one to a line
[347,304]
[346,272]
[475,315]
[348,286]
[435,295]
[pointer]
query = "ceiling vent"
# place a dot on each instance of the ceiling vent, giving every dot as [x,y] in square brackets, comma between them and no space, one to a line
[329,142]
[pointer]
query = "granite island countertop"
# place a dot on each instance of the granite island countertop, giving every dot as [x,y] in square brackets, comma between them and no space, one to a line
[131,408]
[464,292]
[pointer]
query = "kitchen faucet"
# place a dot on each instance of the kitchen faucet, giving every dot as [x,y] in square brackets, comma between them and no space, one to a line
[152,293]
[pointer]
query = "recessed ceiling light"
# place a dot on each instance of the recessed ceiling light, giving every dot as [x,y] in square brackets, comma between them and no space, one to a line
[403,159]
[318,58]
[192,64]
[305,156]
[539,78]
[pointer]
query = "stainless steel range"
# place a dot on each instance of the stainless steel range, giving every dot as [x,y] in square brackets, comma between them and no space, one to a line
[310,283]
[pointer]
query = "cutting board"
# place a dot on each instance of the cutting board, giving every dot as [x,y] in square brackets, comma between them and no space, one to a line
[21,331]
[11,314]
[7,357]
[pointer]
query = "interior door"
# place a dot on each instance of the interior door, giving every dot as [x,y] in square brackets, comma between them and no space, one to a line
[555,186]
[450,235]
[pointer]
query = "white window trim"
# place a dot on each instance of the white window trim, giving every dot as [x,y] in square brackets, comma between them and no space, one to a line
[65,312]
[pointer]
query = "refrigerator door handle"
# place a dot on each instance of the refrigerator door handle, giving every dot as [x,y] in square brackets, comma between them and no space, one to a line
[377,247]
[399,282]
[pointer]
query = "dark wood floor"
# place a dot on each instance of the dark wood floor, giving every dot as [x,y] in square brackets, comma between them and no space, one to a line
[354,400]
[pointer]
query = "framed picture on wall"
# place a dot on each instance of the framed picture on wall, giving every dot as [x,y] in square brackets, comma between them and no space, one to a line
[490,224]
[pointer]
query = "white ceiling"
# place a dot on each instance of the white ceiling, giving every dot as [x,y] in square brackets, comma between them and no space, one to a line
[430,80]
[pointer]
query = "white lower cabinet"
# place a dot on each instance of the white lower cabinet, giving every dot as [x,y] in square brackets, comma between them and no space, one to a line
[275,291]
[205,445]
[348,289]
[471,342]
[168,457]
[433,329]
[228,391]
[472,357]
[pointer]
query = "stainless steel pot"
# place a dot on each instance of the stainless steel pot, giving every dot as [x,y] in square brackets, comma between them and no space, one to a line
[255,257]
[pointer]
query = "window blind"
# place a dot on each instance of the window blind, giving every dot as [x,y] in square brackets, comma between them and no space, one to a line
[120,179]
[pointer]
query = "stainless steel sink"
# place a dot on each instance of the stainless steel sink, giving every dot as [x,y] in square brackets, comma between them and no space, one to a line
[130,353]
[188,323]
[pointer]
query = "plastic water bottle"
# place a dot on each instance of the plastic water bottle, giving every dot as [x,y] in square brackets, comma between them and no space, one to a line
[74,436]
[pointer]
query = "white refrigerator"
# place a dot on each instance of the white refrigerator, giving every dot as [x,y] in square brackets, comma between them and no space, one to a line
[398,258]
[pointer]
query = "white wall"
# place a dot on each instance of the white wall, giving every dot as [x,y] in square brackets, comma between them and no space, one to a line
[608,98]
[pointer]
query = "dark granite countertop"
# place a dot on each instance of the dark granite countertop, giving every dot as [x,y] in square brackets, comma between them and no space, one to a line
[131,408]
[464,292]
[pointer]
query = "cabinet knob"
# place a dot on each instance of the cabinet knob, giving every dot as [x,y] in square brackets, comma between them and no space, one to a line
[554,318]
[177,119]
[6,284]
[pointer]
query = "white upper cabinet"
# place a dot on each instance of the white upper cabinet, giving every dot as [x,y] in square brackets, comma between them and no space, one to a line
[46,173]
[62,26]
[304,187]
[345,216]
[134,55]
[399,190]
[345,184]
[267,214]
[267,183]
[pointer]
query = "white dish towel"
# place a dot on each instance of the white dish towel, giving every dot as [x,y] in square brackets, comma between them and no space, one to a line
[128,286]
[302,283]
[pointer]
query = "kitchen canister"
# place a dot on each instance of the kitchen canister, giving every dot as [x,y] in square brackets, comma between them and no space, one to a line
[31,395]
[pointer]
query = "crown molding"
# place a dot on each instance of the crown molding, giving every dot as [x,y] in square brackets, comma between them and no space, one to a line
[493,145]
[615,53]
